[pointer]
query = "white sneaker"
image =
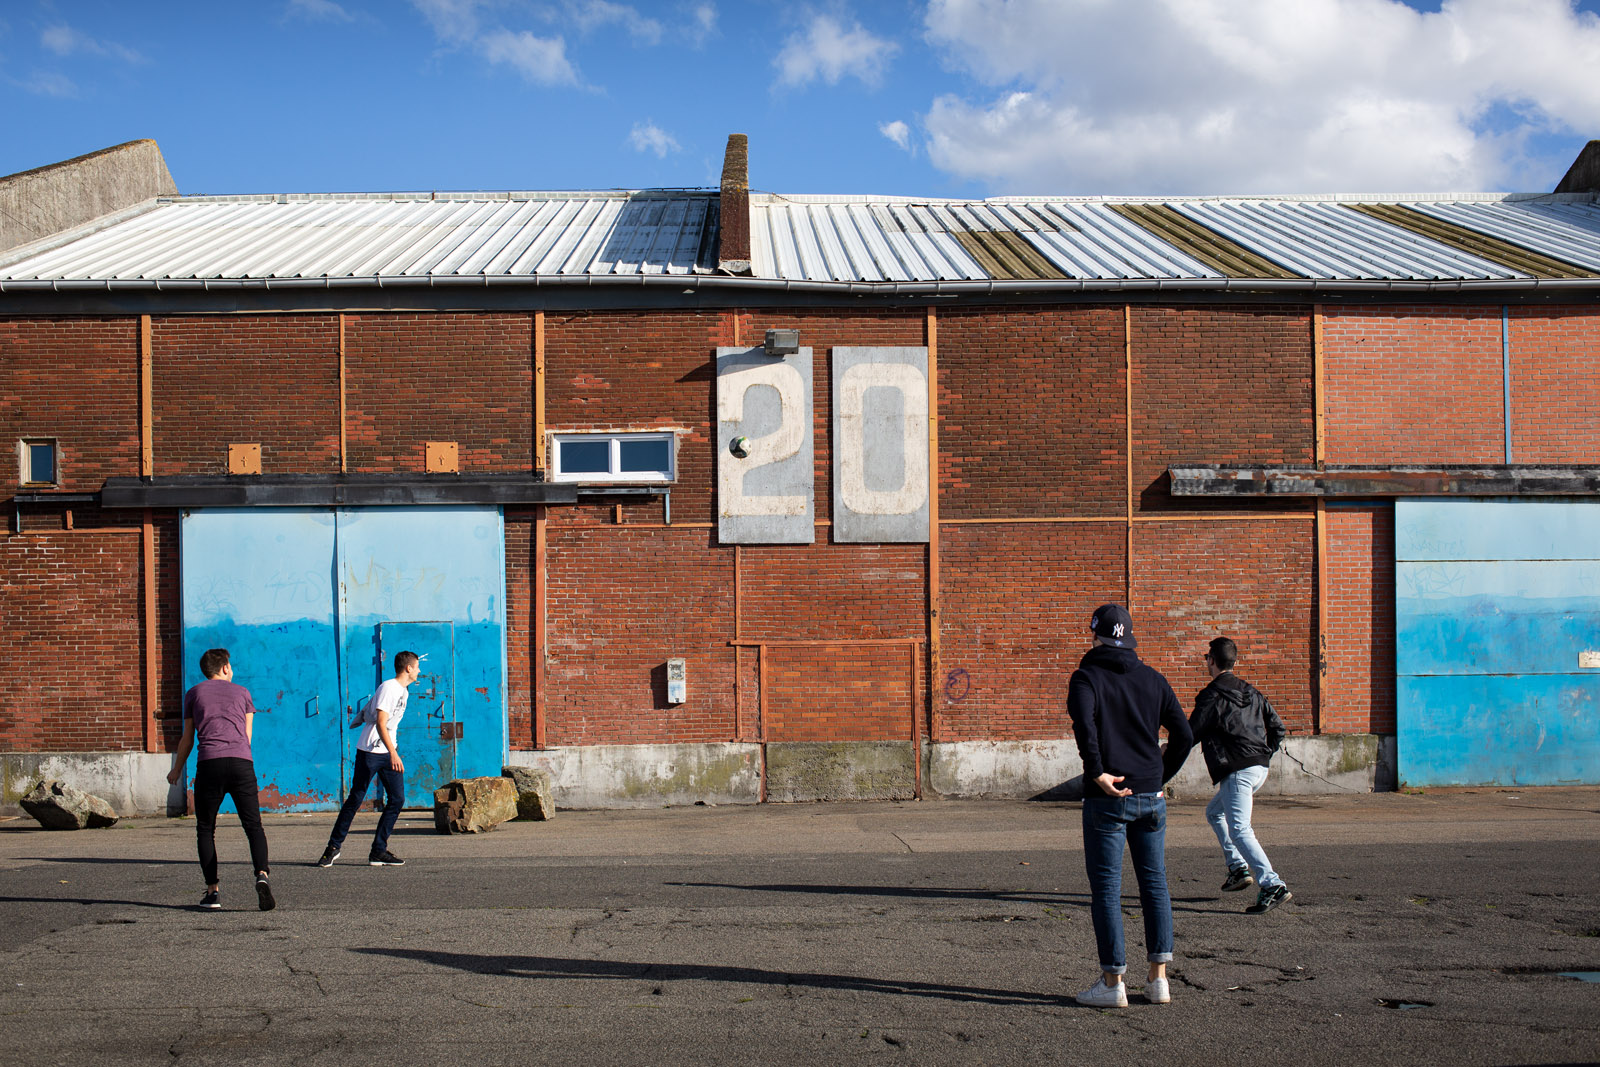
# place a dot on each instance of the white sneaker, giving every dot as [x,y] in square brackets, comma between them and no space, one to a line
[1157,991]
[1101,995]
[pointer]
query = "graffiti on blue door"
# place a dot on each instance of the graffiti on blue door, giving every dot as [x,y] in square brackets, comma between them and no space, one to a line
[313,603]
[1497,625]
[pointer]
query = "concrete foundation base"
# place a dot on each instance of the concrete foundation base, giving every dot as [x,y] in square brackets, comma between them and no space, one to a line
[133,783]
[648,776]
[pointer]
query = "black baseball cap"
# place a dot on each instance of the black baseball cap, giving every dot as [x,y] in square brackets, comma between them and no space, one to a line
[1113,626]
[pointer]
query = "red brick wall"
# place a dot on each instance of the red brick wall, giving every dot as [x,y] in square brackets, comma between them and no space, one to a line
[1359,688]
[412,378]
[621,603]
[72,681]
[1218,385]
[843,692]
[1016,606]
[268,379]
[76,380]
[1413,385]
[1250,580]
[1555,392]
[1032,404]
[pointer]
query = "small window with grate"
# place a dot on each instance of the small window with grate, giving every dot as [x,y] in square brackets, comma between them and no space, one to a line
[37,456]
[613,457]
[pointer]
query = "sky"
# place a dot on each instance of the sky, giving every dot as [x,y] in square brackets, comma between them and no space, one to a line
[920,98]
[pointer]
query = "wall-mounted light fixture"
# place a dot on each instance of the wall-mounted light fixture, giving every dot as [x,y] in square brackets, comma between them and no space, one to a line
[782,342]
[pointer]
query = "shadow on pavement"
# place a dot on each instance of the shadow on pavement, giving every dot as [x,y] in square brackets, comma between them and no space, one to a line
[95,902]
[557,967]
[1076,900]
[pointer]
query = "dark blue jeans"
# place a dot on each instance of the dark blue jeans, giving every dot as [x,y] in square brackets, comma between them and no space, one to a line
[368,766]
[1141,822]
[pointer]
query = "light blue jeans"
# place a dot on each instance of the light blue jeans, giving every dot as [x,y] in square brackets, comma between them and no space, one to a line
[1229,816]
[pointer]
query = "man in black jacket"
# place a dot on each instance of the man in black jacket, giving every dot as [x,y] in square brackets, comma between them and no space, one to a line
[1118,706]
[1238,731]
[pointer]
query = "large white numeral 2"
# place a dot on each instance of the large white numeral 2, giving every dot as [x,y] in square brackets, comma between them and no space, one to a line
[794,409]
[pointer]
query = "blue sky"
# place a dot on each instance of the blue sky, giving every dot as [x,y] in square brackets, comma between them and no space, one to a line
[901,97]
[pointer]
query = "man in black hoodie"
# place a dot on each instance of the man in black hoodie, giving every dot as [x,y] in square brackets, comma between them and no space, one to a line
[1118,706]
[1238,731]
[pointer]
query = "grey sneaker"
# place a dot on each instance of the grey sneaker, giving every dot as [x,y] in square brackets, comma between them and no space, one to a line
[385,858]
[212,901]
[1101,995]
[264,893]
[1238,878]
[329,854]
[1157,991]
[1268,899]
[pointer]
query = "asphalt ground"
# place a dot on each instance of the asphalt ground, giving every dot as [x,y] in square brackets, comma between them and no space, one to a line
[1429,928]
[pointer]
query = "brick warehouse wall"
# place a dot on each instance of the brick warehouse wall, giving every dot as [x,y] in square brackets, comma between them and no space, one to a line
[636,594]
[1359,687]
[76,380]
[72,681]
[1554,390]
[266,379]
[412,378]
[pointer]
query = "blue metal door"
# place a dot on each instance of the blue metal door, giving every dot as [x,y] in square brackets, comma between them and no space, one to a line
[1497,625]
[446,564]
[312,605]
[261,585]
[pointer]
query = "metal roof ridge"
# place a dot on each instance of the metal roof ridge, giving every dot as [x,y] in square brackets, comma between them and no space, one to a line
[767,197]
[459,196]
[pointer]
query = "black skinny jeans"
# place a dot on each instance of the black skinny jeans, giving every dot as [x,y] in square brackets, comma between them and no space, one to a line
[213,780]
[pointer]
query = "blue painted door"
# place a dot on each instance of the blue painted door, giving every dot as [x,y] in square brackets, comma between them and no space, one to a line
[312,605]
[261,586]
[1497,625]
[447,565]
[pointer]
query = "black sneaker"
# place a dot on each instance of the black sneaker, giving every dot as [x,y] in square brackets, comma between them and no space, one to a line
[1238,878]
[385,858]
[212,901]
[329,854]
[264,893]
[1268,899]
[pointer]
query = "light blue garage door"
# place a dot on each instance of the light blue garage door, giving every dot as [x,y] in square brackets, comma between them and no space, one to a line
[1497,625]
[312,604]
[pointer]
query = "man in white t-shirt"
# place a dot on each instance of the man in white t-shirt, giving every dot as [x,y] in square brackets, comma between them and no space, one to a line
[377,756]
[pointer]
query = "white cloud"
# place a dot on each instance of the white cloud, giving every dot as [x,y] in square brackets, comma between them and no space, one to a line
[829,50]
[320,11]
[896,131]
[1204,96]
[541,60]
[50,84]
[455,21]
[648,137]
[589,15]
[63,40]
[702,22]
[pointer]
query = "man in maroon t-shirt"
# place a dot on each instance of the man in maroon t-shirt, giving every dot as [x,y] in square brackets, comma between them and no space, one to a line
[221,715]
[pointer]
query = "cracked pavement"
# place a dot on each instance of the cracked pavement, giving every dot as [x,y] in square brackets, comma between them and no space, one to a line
[1430,928]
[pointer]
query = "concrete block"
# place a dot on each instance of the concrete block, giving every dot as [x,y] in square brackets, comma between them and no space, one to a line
[133,783]
[473,805]
[840,770]
[535,801]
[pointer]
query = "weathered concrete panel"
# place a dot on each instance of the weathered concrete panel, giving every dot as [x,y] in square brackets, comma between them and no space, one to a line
[880,444]
[46,200]
[648,776]
[134,783]
[766,488]
[840,770]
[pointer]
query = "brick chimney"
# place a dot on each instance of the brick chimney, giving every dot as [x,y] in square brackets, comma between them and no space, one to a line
[733,243]
[1582,177]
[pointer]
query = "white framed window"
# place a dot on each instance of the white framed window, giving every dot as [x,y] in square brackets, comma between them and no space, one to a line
[37,461]
[614,457]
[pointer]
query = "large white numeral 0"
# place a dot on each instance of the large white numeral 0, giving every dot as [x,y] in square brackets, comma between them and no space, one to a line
[912,492]
[761,451]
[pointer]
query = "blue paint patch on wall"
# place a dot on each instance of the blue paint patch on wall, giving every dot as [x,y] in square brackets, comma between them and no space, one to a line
[1497,617]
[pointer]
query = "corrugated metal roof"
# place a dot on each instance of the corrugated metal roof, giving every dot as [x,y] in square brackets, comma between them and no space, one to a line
[396,237]
[1099,242]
